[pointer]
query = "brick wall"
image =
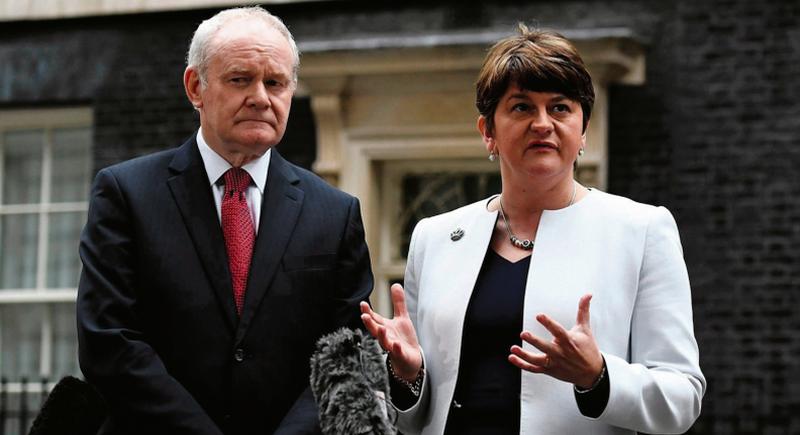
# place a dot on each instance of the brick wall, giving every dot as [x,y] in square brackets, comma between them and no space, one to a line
[714,136]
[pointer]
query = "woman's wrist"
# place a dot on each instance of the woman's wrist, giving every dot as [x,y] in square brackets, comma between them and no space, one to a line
[598,379]
[406,368]
[414,385]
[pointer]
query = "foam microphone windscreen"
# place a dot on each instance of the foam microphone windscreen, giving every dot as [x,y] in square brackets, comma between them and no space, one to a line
[351,385]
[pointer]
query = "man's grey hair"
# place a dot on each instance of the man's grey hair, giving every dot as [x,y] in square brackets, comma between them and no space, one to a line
[202,48]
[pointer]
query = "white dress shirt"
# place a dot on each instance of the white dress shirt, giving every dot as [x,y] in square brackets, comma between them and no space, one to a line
[216,166]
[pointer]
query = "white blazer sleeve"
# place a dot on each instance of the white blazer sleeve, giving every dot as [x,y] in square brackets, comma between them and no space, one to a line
[660,389]
[411,420]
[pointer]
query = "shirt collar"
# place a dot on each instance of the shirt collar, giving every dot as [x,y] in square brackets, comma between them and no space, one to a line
[216,166]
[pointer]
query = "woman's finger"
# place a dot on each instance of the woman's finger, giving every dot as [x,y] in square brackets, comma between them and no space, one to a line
[538,359]
[524,365]
[538,342]
[377,318]
[583,310]
[386,342]
[398,300]
[555,328]
[371,325]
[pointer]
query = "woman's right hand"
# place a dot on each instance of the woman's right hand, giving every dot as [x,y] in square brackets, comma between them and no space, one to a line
[396,335]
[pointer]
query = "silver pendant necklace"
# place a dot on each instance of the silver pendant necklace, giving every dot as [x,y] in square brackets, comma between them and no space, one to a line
[527,244]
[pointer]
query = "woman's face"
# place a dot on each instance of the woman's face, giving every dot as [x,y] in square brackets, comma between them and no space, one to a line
[535,134]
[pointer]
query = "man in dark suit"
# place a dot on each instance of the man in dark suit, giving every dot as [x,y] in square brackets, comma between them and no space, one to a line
[210,270]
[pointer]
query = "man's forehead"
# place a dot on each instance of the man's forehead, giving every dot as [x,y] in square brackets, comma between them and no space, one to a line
[235,44]
[250,32]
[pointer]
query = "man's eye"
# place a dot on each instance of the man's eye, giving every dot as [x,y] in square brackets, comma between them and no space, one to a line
[272,83]
[239,80]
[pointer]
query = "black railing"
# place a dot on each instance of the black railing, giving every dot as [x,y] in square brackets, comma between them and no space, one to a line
[19,404]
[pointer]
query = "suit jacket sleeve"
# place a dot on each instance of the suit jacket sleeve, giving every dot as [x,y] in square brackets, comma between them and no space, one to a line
[353,285]
[660,390]
[113,349]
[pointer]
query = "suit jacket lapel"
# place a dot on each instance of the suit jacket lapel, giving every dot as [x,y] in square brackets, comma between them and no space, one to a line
[279,211]
[193,196]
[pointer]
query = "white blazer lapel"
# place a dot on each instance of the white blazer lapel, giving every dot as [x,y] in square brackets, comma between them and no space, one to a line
[450,272]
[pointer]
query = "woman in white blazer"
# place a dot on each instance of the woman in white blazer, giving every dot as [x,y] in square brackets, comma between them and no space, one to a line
[550,308]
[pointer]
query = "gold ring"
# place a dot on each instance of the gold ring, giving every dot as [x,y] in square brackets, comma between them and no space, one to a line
[547,361]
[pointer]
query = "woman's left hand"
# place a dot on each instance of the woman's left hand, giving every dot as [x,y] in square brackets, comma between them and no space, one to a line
[571,356]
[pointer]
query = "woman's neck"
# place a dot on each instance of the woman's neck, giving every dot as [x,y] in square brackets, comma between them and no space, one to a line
[532,199]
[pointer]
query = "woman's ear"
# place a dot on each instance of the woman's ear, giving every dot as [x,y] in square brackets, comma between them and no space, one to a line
[486,135]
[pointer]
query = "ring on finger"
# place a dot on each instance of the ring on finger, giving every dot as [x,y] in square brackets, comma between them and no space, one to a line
[547,361]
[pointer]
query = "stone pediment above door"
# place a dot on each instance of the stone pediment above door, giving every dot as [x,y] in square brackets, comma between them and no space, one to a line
[377,90]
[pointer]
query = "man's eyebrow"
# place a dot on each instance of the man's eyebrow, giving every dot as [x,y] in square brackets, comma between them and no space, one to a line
[236,69]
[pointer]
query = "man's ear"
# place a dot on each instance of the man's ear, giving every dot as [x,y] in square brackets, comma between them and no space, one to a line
[192,85]
[486,135]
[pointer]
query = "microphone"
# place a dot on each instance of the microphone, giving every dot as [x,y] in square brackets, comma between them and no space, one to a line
[351,385]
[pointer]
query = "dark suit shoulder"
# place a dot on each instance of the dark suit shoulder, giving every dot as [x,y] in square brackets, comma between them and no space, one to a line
[313,183]
[142,165]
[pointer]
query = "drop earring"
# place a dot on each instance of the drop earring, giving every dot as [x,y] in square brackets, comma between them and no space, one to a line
[580,152]
[492,156]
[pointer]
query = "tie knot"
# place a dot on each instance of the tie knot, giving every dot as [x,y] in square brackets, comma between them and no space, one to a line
[236,179]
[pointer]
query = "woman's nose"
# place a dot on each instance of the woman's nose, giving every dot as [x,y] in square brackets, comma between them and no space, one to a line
[541,124]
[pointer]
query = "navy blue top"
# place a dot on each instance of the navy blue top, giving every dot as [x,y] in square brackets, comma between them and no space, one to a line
[486,399]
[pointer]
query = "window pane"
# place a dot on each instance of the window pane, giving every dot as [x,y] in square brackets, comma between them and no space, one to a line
[71,164]
[20,335]
[63,264]
[65,341]
[22,166]
[426,195]
[18,238]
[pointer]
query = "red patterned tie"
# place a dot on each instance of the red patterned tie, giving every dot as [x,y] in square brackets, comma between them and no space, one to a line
[237,227]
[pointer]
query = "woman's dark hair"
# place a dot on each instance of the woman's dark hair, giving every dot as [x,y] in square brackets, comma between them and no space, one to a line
[534,60]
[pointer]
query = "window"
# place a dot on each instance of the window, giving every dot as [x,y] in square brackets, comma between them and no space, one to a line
[413,190]
[45,170]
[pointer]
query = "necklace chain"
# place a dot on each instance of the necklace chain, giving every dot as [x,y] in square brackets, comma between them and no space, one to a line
[527,244]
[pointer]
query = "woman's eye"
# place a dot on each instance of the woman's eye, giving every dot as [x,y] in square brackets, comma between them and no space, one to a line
[519,107]
[559,108]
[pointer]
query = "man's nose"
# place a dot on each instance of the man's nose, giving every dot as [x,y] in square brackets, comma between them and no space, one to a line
[259,97]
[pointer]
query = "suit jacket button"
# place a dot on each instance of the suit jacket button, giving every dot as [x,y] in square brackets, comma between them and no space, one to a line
[238,355]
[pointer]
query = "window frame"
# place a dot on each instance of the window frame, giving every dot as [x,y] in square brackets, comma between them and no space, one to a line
[47,298]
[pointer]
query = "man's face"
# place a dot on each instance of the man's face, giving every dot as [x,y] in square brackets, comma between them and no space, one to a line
[245,104]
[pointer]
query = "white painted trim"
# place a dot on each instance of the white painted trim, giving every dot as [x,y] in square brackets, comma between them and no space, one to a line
[481,37]
[59,207]
[38,296]
[46,341]
[32,386]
